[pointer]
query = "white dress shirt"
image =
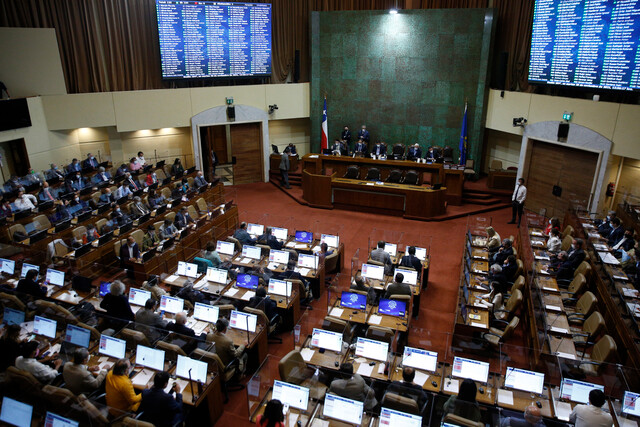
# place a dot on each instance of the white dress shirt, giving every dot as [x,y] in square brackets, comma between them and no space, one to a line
[141,160]
[553,244]
[27,201]
[39,370]
[590,416]
[519,194]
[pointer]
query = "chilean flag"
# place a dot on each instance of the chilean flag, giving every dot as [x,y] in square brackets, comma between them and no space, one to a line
[324,143]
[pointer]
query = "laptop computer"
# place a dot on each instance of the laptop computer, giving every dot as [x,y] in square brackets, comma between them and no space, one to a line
[36,237]
[125,228]
[62,225]
[166,181]
[160,164]
[43,206]
[30,227]
[84,216]
[82,250]
[105,238]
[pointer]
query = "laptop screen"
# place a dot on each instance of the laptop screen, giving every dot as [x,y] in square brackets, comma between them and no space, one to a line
[391,248]
[326,339]
[26,267]
[392,307]
[13,316]
[421,253]
[77,336]
[420,359]
[255,229]
[280,257]
[206,312]
[243,321]
[393,418]
[16,413]
[294,395]
[280,233]
[280,287]
[371,271]
[630,404]
[44,326]
[469,368]
[216,275]
[171,304]
[104,288]
[372,349]
[521,379]
[353,300]
[577,391]
[252,252]
[410,277]
[304,237]
[112,347]
[187,269]
[308,261]
[150,358]
[247,281]
[331,240]
[226,248]
[54,420]
[343,409]
[138,296]
[188,368]
[7,266]
[55,277]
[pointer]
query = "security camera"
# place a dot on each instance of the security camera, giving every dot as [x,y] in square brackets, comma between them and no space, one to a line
[273,108]
[519,121]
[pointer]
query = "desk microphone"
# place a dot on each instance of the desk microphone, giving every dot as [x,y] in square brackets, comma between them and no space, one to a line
[193,395]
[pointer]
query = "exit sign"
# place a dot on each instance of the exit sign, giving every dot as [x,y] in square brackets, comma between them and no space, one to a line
[566,116]
[229,101]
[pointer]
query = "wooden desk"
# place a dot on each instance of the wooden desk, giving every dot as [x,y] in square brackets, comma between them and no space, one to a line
[257,344]
[349,314]
[274,162]
[400,324]
[377,370]
[328,359]
[487,397]
[562,347]
[503,180]
[395,374]
[522,399]
[366,419]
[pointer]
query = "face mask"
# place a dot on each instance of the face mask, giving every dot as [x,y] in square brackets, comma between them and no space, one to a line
[573,247]
[117,210]
[549,221]
[608,218]
[55,168]
[77,176]
[77,199]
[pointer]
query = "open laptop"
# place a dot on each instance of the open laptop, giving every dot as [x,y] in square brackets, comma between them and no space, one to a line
[45,327]
[308,261]
[353,301]
[251,252]
[112,347]
[372,349]
[13,316]
[392,307]
[280,287]
[469,368]
[247,281]
[82,250]
[255,229]
[16,413]
[7,266]
[243,321]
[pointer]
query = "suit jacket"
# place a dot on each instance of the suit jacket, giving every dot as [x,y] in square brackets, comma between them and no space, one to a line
[79,380]
[361,148]
[379,150]
[284,162]
[107,198]
[509,271]
[177,169]
[604,229]
[126,252]
[73,168]
[224,347]
[398,289]
[149,241]
[354,388]
[101,177]
[575,257]
[117,306]
[410,390]
[243,237]
[433,155]
[414,153]
[615,235]
[139,209]
[44,198]
[54,173]
[412,261]
[32,288]
[346,136]
[78,184]
[499,257]
[90,163]
[200,181]
[381,256]
[160,408]
[182,220]
[271,241]
[167,232]
[122,191]
[181,329]
[150,318]
[364,134]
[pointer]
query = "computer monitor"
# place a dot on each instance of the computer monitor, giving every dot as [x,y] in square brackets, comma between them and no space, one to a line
[16,413]
[7,266]
[391,248]
[225,248]
[171,304]
[331,240]
[280,257]
[187,269]
[26,267]
[393,418]
[372,349]
[392,307]
[112,347]
[206,312]
[217,275]
[247,281]
[630,404]
[243,321]
[255,229]
[343,409]
[304,236]
[410,277]
[469,368]
[577,391]
[353,300]
[280,233]
[55,420]
[420,359]
[104,288]
[13,316]
[280,287]
[524,380]
[370,271]
[150,357]
[54,277]
[293,395]
[308,261]
[328,340]
[77,336]
[421,253]
[138,296]
[252,252]
[191,369]
[45,327]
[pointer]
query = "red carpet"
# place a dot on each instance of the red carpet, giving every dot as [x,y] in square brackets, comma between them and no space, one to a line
[264,203]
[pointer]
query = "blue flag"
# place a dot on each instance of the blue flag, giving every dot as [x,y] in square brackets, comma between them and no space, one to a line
[463,138]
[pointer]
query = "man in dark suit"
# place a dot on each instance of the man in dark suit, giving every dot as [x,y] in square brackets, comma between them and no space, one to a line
[180,327]
[414,152]
[74,166]
[408,388]
[617,232]
[380,255]
[47,194]
[90,162]
[353,387]
[626,243]
[158,407]
[504,251]
[432,155]
[346,135]
[363,134]
[270,240]
[411,260]
[336,148]
[78,183]
[397,287]
[604,226]
[54,172]
[130,251]
[102,177]
[183,219]
[107,196]
[199,180]
[361,147]
[292,149]
[214,163]
[509,268]
[262,301]
[243,236]
[576,254]
[379,149]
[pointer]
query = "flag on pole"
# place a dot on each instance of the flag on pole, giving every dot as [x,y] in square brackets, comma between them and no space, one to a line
[463,138]
[324,143]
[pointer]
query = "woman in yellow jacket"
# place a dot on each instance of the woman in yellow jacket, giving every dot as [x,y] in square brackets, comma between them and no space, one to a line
[121,397]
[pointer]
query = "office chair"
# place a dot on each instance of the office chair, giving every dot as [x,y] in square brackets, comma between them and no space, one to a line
[568,231]
[353,172]
[495,337]
[395,176]
[591,329]
[495,165]
[400,403]
[576,287]
[373,174]
[410,178]
[468,169]
[457,420]
[583,308]
[447,154]
[293,369]
[398,151]
[602,353]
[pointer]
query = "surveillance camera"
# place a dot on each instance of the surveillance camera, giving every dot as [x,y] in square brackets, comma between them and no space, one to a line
[272,108]
[519,121]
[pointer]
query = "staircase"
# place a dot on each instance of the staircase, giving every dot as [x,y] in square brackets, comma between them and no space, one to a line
[295,178]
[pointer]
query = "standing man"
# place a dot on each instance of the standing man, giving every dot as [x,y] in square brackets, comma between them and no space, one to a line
[517,201]
[346,136]
[364,134]
[214,163]
[284,168]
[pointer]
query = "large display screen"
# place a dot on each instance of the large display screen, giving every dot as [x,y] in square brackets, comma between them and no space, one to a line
[201,39]
[591,44]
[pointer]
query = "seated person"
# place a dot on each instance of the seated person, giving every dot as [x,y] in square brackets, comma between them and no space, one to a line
[79,378]
[411,260]
[199,180]
[178,191]
[414,152]
[591,414]
[532,418]
[361,147]
[397,287]
[380,255]
[432,155]
[138,208]
[11,346]
[5,209]
[576,254]
[129,251]
[168,230]
[159,407]
[116,304]
[270,240]
[120,218]
[604,226]
[562,267]
[47,194]
[27,361]
[156,291]
[107,197]
[129,181]
[324,252]
[13,184]
[292,149]
[408,388]
[272,416]
[29,286]
[262,301]
[102,177]
[509,268]
[337,147]
[140,159]
[243,235]
[134,165]
[353,386]
[554,243]
[150,239]
[78,182]
[53,173]
[183,219]
[90,162]
[224,346]
[503,252]
[25,201]
[362,285]
[616,233]
[212,255]
[493,240]
[553,223]
[188,293]
[123,191]
[179,326]
[151,178]
[176,168]
[74,166]
[495,275]
[494,300]
[379,149]
[155,199]
[30,179]
[90,235]
[122,170]
[626,243]
[290,273]
[148,316]
[464,404]
[120,394]
[78,206]
[62,212]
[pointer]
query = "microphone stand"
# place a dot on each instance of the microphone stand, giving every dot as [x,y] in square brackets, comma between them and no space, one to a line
[194,397]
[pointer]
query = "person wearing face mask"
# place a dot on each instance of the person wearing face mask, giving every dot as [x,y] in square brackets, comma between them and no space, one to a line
[138,208]
[132,183]
[25,201]
[553,223]
[150,239]
[123,191]
[102,177]
[576,255]
[155,199]
[30,179]
[134,165]
[53,173]
[617,232]
[47,194]
[151,178]
[200,181]
[74,166]
[604,226]
[107,197]
[90,162]
[140,159]
[78,182]
[626,243]
[379,149]
[554,243]
[119,217]
[90,235]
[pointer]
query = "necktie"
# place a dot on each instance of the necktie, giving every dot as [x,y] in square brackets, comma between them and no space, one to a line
[46,191]
[515,196]
[133,183]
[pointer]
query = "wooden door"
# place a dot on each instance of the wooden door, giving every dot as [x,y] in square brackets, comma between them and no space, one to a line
[246,149]
[570,168]
[213,138]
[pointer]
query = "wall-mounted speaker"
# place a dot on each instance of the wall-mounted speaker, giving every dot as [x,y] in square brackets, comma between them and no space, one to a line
[557,191]
[563,130]
[231,113]
[296,67]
